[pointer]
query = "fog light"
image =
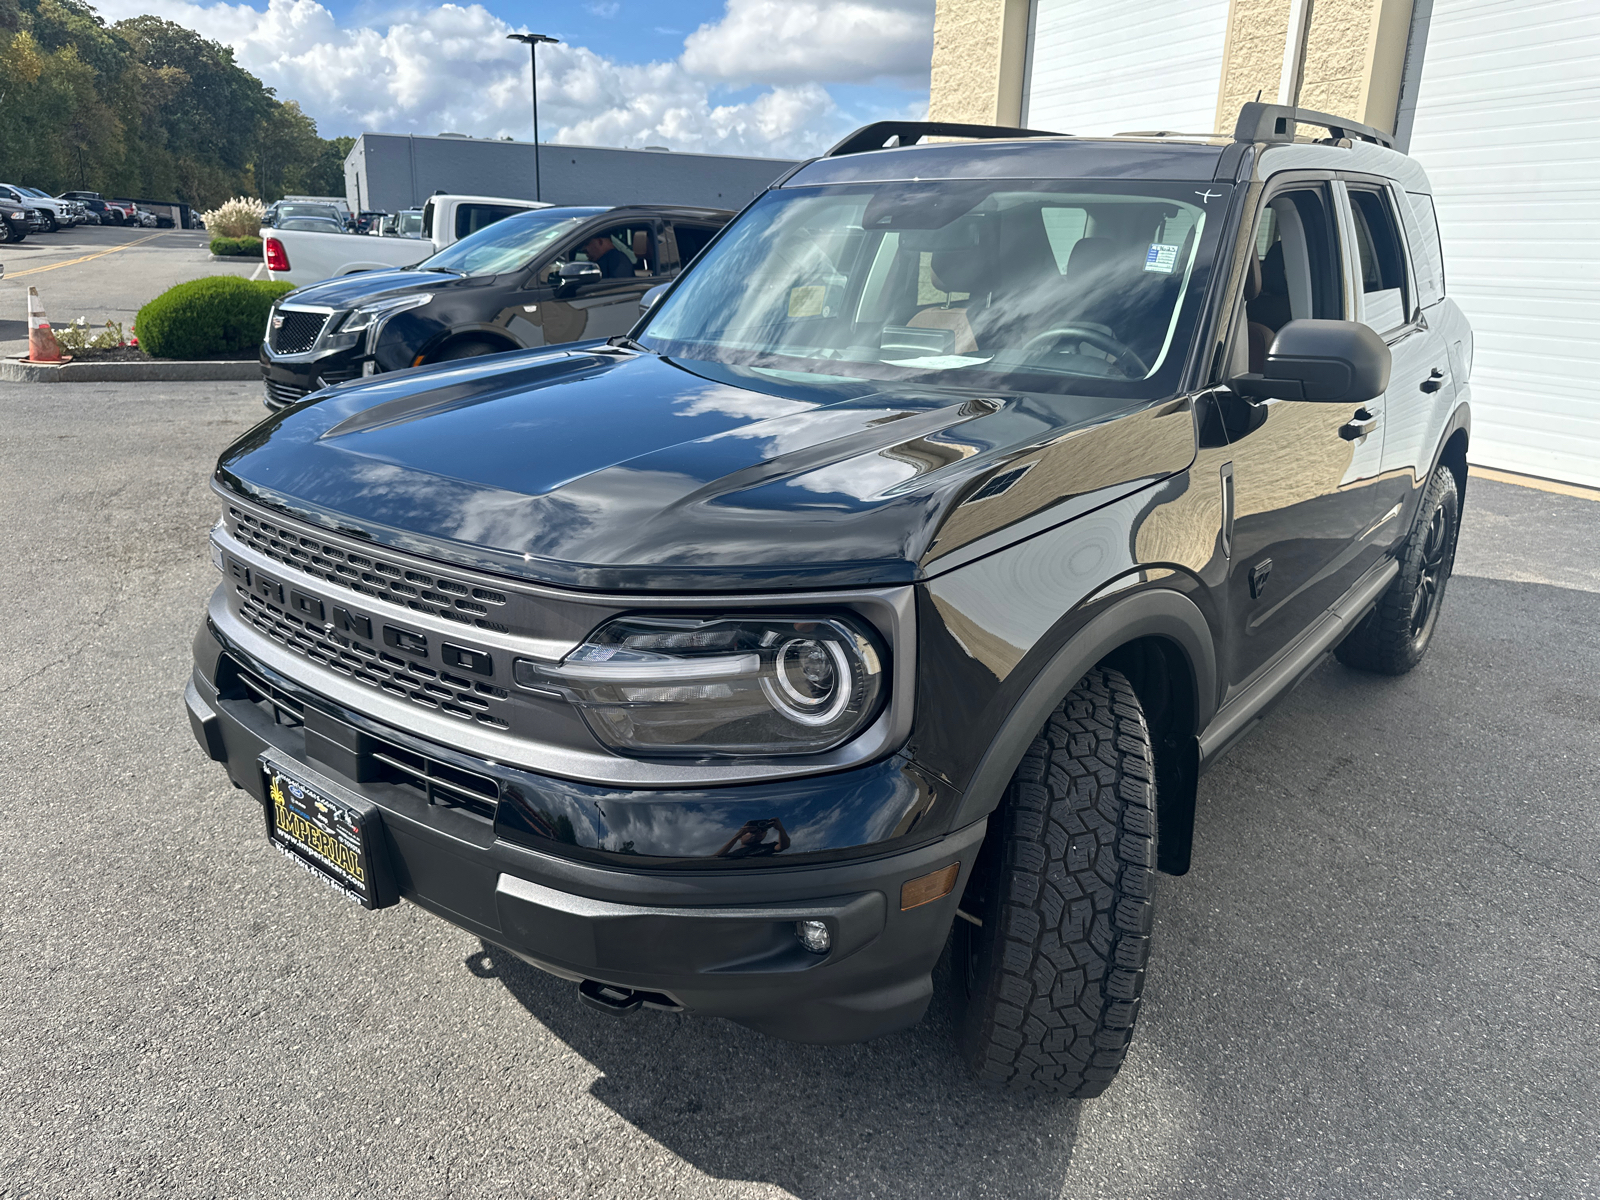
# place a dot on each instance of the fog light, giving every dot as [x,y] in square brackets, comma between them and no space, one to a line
[814,936]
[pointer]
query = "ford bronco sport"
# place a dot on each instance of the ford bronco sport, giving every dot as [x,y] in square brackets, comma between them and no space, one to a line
[888,587]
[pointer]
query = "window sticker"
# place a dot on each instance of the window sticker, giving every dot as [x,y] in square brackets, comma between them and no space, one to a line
[806,301]
[1161,258]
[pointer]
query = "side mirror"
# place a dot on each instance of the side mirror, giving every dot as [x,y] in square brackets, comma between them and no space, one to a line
[1331,362]
[648,300]
[575,273]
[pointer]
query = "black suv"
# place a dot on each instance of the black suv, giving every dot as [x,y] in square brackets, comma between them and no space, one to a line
[888,587]
[524,281]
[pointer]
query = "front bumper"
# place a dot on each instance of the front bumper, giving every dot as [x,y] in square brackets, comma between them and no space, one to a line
[289,380]
[719,942]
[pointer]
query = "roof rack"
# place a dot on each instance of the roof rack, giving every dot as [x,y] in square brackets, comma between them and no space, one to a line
[878,135]
[1275,123]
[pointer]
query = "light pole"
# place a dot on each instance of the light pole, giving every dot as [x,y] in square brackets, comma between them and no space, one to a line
[533,40]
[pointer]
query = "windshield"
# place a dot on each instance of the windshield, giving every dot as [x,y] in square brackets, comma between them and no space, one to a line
[510,243]
[1046,285]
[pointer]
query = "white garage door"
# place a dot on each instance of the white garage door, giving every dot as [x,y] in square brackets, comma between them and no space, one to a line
[1508,128]
[1107,66]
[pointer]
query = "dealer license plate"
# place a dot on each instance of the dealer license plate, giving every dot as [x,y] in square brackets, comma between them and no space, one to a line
[329,837]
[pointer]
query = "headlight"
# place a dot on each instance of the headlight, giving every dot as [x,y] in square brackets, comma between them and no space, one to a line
[721,687]
[371,317]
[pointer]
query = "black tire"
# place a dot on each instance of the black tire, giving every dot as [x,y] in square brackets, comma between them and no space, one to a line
[467,348]
[50,223]
[1051,981]
[1395,634]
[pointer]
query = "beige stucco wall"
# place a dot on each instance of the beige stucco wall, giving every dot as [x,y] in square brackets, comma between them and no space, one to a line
[979,52]
[1354,54]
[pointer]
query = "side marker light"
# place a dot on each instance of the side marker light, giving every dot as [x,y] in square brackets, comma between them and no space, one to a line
[925,889]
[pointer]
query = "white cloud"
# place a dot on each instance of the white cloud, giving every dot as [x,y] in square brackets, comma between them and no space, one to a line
[450,68]
[827,41]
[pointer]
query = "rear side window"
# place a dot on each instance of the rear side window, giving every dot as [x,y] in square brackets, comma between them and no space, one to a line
[472,217]
[692,239]
[1382,259]
[1427,256]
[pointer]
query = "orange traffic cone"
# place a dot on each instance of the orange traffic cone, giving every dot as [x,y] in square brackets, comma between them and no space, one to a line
[42,346]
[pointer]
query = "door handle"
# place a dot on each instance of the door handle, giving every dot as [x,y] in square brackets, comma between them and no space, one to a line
[1360,424]
[1434,381]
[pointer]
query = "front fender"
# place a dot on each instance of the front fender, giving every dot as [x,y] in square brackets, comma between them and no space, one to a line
[1156,612]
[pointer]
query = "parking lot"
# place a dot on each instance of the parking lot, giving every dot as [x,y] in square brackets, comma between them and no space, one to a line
[1381,978]
[101,272]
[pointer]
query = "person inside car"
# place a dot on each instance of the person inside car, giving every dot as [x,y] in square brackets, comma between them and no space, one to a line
[604,252]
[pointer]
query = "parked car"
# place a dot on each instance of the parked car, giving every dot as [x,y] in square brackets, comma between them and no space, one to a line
[365,222]
[15,223]
[104,212]
[285,210]
[311,224]
[524,281]
[891,582]
[54,214]
[307,256]
[405,223]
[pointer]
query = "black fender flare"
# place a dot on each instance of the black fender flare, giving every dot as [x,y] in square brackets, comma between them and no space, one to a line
[1154,612]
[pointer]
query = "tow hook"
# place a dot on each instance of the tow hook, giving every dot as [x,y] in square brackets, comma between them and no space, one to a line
[609,997]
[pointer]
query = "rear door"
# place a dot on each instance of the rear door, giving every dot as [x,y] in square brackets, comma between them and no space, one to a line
[1306,476]
[1388,299]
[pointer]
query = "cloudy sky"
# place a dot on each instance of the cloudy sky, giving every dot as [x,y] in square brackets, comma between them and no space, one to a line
[780,77]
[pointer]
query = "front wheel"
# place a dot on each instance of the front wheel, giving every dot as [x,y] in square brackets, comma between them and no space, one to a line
[1052,978]
[466,348]
[1395,635]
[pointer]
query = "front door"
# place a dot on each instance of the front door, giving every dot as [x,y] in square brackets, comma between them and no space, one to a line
[629,254]
[1306,476]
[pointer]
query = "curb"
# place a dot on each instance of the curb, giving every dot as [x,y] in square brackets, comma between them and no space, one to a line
[154,371]
[236,258]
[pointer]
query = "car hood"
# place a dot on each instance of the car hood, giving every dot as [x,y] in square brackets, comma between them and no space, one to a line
[593,467]
[350,291]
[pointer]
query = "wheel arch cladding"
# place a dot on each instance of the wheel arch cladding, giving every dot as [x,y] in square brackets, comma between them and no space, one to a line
[1163,636]
[1454,456]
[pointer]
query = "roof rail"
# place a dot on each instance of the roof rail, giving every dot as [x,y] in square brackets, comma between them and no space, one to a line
[1275,123]
[877,135]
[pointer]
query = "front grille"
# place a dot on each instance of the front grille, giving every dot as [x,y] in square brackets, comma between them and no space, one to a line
[281,394]
[371,574]
[429,778]
[379,669]
[299,331]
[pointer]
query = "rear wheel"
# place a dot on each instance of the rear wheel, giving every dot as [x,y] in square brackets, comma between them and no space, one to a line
[1395,635]
[1053,977]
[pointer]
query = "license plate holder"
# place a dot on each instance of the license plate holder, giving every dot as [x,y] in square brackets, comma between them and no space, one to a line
[328,830]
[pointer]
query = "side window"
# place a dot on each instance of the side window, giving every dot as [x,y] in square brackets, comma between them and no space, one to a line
[692,239]
[472,217]
[1427,256]
[1295,275]
[1382,257]
[623,251]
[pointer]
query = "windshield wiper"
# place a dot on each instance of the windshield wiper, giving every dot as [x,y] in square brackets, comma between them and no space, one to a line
[627,343]
[452,270]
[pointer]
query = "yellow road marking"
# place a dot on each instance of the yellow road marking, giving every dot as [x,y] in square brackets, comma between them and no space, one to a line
[1533,481]
[86,258]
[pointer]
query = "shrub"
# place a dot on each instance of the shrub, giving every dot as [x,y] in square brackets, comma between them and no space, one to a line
[246,247]
[208,318]
[236,218]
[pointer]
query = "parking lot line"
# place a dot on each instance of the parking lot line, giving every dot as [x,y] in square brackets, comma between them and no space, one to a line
[86,258]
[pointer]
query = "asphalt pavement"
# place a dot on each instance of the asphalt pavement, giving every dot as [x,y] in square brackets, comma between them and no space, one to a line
[1381,978]
[101,273]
